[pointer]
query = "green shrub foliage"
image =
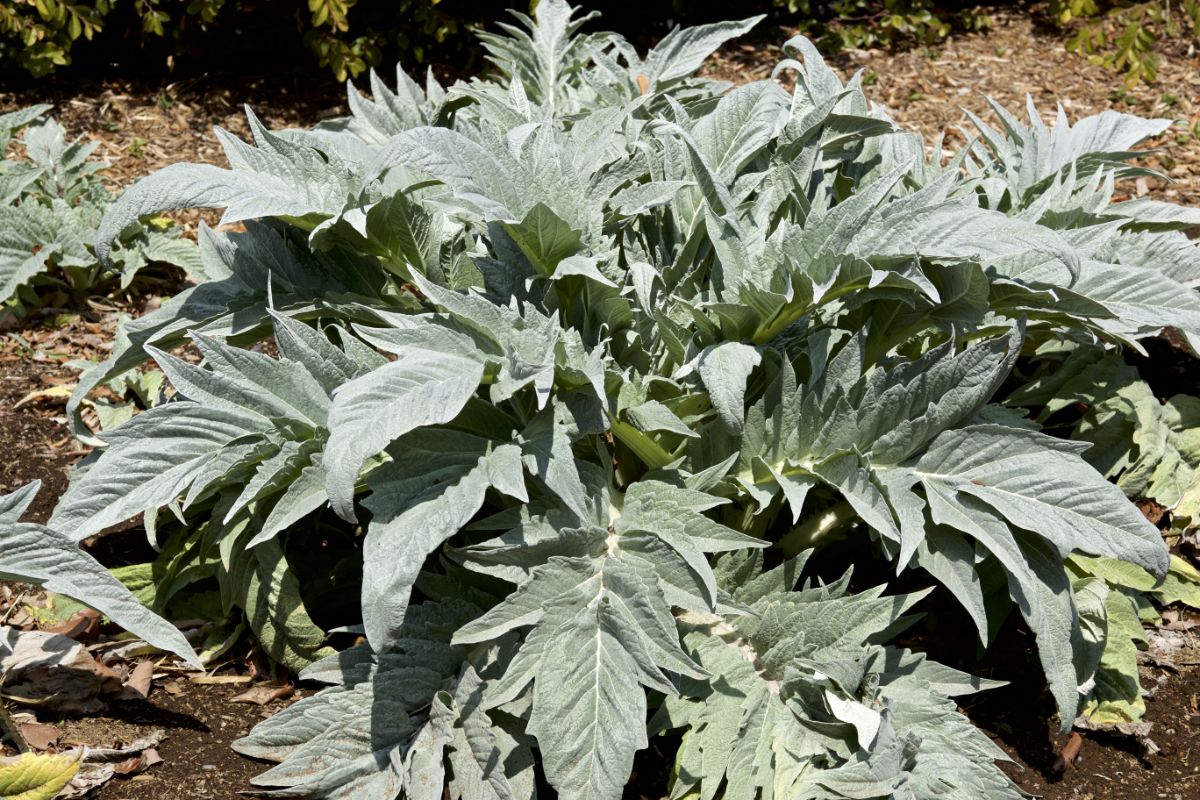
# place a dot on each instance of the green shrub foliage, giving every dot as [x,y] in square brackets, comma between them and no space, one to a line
[882,23]
[348,36]
[51,202]
[592,358]
[1123,35]
[39,35]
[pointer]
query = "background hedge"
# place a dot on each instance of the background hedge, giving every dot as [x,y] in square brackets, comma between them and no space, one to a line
[348,36]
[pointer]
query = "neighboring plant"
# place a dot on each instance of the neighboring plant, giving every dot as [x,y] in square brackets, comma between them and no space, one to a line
[51,202]
[575,374]
[1122,35]
[843,24]
[1151,448]
[40,37]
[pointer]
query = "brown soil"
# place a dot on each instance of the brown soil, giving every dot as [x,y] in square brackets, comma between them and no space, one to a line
[1021,719]
[34,440]
[197,723]
[200,723]
[1111,766]
[143,127]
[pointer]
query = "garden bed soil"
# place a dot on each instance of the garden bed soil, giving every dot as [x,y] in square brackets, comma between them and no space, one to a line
[34,440]
[1020,717]
[142,127]
[199,724]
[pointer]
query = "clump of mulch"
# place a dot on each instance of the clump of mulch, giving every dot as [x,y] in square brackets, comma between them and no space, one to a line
[144,126]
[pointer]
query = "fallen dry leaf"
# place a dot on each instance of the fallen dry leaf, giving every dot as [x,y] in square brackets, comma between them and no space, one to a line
[83,626]
[53,393]
[51,672]
[129,766]
[86,780]
[39,736]
[140,680]
[100,765]
[218,680]
[108,755]
[264,693]
[22,619]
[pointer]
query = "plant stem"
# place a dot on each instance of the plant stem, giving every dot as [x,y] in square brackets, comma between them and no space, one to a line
[810,532]
[649,451]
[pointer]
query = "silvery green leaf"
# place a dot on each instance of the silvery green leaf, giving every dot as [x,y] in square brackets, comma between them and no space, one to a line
[542,55]
[1032,155]
[355,739]
[1042,485]
[275,473]
[682,51]
[268,591]
[486,179]
[641,197]
[724,369]
[583,267]
[33,235]
[1173,254]
[167,247]
[244,194]
[423,386]
[148,463]
[951,560]
[13,183]
[544,238]
[386,113]
[793,712]
[546,446]
[742,124]
[1147,214]
[1142,300]
[42,555]
[676,516]
[13,121]
[588,708]
[242,389]
[304,495]
[414,513]
[1037,582]
[488,762]
[907,407]
[654,416]
[303,344]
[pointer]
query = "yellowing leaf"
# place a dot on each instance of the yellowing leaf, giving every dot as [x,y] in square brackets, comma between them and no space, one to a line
[37,777]
[61,392]
[160,223]
[1182,584]
[1117,694]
